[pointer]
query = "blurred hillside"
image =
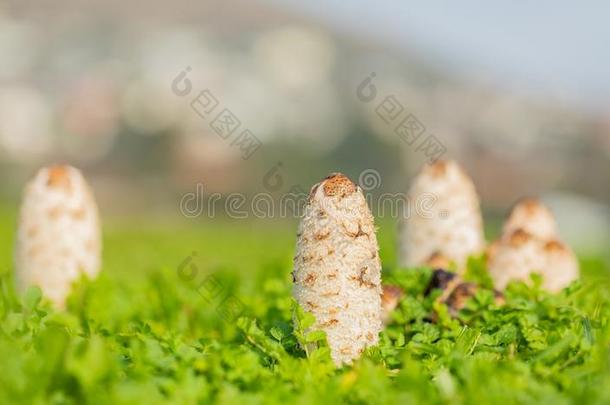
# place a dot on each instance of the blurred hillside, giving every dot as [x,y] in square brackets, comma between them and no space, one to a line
[92,85]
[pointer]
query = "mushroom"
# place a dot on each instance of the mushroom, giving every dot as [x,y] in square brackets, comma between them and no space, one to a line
[337,271]
[58,236]
[444,220]
[454,291]
[530,244]
[530,215]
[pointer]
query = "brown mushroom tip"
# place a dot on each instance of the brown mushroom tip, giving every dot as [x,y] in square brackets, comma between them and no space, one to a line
[519,237]
[438,261]
[554,246]
[529,204]
[338,184]
[58,176]
[439,168]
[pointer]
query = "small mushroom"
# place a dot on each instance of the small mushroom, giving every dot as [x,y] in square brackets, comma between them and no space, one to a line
[58,236]
[530,215]
[444,219]
[529,244]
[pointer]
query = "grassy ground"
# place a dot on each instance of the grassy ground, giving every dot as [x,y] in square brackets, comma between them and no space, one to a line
[162,324]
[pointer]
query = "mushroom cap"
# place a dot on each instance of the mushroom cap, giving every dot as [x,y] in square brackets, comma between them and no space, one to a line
[438,261]
[520,254]
[337,272]
[58,236]
[444,218]
[532,216]
[562,266]
[515,258]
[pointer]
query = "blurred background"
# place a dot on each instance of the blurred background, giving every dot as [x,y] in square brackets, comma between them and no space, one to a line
[519,95]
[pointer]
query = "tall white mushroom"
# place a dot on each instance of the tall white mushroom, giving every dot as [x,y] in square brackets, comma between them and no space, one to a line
[58,236]
[337,271]
[444,218]
[533,217]
[529,244]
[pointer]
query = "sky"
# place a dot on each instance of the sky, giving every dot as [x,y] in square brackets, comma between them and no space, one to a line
[542,48]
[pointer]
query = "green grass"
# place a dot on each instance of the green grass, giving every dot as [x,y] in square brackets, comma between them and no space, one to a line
[152,329]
